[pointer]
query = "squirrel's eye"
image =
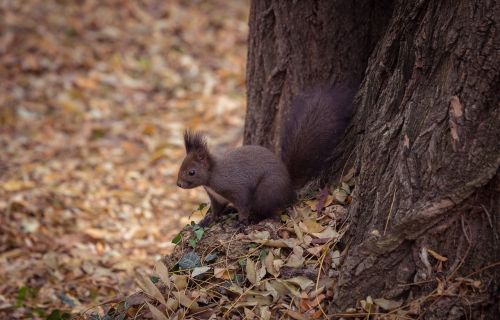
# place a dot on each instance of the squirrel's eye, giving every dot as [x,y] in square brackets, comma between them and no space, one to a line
[191,172]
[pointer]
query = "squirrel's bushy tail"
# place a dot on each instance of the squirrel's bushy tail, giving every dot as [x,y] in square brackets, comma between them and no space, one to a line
[314,125]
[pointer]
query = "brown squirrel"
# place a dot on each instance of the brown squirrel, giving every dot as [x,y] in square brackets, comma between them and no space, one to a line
[254,179]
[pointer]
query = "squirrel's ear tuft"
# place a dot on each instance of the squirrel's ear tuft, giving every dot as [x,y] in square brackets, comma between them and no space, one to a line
[194,141]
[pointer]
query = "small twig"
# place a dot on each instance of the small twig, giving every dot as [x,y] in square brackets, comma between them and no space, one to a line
[465,231]
[237,300]
[490,221]
[139,310]
[462,260]
[114,299]
[390,211]
[345,164]
[415,283]
[494,264]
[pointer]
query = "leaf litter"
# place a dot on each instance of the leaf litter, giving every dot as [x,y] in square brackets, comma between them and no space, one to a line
[273,270]
[94,97]
[263,272]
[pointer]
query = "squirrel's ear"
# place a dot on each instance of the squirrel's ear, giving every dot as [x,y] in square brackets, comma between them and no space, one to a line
[194,142]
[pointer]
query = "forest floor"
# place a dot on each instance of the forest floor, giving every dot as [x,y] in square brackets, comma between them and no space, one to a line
[94,98]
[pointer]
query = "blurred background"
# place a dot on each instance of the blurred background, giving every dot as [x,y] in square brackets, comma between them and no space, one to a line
[94,98]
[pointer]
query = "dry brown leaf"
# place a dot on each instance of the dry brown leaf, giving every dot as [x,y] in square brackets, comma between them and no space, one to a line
[150,289]
[199,271]
[259,235]
[335,258]
[265,313]
[180,281]
[298,232]
[312,204]
[157,314]
[436,255]
[224,273]
[367,305]
[315,251]
[296,315]
[249,314]
[328,233]
[340,195]
[162,272]
[17,185]
[310,226]
[172,304]
[316,292]
[280,243]
[276,288]
[269,263]
[388,304]
[303,282]
[185,301]
[277,264]
[251,272]
[261,271]
[295,261]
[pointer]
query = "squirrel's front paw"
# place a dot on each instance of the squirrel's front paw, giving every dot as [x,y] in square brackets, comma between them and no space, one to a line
[206,221]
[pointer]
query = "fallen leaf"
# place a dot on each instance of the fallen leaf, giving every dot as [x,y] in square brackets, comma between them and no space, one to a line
[185,300]
[436,255]
[388,304]
[367,305]
[269,263]
[303,282]
[328,233]
[157,314]
[295,315]
[311,226]
[150,289]
[279,243]
[265,314]
[340,195]
[250,271]
[199,270]
[162,272]
[249,314]
[180,281]
[172,304]
[316,251]
[295,261]
[335,258]
[223,273]
[17,185]
[298,232]
[259,235]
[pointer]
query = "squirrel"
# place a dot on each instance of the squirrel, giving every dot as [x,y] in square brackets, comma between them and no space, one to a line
[256,181]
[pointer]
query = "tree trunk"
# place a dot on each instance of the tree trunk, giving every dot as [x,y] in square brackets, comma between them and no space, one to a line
[424,141]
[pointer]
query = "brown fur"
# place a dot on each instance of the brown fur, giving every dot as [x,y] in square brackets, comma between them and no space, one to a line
[194,141]
[255,180]
[315,124]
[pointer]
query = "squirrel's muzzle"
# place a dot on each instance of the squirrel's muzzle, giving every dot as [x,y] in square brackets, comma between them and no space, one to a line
[184,184]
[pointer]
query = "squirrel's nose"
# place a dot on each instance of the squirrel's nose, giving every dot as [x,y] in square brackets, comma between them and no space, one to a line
[179,184]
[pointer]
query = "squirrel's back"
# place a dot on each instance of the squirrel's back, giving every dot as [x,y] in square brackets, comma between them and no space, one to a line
[248,163]
[255,172]
[314,125]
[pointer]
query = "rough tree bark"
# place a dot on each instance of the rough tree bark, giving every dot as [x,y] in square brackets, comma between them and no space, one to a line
[424,142]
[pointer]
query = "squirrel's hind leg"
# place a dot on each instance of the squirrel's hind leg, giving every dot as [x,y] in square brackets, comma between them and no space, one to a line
[271,195]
